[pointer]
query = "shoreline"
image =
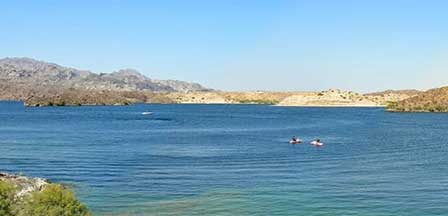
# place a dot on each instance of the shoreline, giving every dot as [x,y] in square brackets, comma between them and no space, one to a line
[192,103]
[335,106]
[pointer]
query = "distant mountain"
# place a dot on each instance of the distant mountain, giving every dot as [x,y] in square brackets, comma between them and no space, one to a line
[434,100]
[30,73]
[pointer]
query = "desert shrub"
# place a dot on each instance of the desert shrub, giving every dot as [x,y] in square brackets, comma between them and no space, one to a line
[60,103]
[392,104]
[55,200]
[7,197]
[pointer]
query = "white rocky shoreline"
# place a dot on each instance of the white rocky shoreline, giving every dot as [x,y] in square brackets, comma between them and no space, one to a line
[25,185]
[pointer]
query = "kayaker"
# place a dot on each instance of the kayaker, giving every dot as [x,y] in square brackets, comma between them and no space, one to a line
[294,139]
[316,142]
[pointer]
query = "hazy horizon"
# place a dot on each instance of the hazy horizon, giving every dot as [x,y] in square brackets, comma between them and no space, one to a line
[240,45]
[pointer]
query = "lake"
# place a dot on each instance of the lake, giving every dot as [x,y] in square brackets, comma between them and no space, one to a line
[233,159]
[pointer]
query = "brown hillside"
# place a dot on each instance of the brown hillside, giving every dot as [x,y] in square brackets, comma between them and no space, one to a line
[434,100]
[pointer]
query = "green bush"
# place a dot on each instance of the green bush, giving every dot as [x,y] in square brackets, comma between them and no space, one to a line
[7,197]
[55,200]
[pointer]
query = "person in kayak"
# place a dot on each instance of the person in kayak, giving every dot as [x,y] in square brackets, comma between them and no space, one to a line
[294,139]
[316,142]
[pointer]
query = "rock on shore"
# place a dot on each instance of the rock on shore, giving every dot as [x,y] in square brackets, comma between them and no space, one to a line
[25,185]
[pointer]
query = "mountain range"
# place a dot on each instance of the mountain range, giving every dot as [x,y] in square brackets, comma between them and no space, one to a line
[30,73]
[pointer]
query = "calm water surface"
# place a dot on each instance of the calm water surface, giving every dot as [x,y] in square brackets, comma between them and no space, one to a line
[233,159]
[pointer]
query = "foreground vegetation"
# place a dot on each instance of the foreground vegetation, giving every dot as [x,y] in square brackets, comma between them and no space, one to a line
[53,200]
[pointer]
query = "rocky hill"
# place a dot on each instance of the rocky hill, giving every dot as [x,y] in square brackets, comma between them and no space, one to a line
[218,97]
[337,97]
[30,73]
[390,96]
[434,100]
[332,97]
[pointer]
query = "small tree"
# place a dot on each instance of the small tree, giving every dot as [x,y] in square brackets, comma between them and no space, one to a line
[55,200]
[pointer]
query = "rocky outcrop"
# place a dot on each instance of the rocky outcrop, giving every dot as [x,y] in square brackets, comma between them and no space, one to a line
[25,185]
[434,100]
[182,86]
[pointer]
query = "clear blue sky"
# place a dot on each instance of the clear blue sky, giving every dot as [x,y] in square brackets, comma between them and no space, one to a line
[240,45]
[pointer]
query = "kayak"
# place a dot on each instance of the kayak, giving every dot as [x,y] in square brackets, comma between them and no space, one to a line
[317,144]
[146,113]
[295,142]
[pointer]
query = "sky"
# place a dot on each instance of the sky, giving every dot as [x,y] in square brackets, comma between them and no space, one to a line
[240,45]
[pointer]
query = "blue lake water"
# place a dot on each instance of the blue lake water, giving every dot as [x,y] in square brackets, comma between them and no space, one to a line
[233,159]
